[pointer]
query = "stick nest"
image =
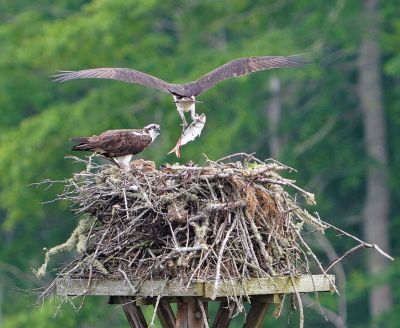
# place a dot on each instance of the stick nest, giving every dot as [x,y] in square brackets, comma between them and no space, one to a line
[225,220]
[217,221]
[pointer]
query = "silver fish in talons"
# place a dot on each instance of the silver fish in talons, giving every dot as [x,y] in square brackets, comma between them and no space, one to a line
[191,132]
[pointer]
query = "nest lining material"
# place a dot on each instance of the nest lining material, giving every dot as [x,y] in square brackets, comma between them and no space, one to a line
[218,221]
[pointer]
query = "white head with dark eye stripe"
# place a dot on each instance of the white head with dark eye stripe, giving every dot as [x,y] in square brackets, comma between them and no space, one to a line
[153,130]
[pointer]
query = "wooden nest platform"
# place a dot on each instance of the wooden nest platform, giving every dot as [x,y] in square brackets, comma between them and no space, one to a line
[230,228]
[192,301]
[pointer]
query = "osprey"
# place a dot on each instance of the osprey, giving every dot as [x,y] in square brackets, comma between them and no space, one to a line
[119,145]
[184,94]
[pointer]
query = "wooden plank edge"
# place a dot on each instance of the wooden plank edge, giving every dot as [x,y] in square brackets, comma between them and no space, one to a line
[255,286]
[99,287]
[272,285]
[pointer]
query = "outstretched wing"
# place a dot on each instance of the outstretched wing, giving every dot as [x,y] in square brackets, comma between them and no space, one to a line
[120,74]
[240,67]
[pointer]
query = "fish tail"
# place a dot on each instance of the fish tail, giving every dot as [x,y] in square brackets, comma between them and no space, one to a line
[176,149]
[173,150]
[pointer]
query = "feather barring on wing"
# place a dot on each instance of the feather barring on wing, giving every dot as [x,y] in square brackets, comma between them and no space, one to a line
[185,94]
[119,145]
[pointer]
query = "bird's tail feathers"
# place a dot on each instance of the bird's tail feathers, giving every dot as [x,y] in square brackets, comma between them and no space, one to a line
[81,143]
[80,139]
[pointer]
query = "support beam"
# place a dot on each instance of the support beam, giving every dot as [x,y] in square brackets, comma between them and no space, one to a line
[224,315]
[262,292]
[133,312]
[256,315]
[182,315]
[195,319]
[188,314]
[150,288]
[165,314]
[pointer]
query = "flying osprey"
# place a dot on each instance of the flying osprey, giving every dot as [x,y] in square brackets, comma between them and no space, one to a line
[184,94]
[119,145]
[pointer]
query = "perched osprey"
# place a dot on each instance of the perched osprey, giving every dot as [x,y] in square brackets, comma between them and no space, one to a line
[119,145]
[184,94]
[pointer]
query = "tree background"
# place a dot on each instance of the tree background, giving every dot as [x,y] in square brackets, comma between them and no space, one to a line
[313,118]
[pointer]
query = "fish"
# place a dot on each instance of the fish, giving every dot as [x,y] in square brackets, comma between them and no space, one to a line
[191,132]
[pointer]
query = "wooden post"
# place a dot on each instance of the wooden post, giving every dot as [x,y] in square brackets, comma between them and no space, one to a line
[181,315]
[165,313]
[256,315]
[133,312]
[188,314]
[224,314]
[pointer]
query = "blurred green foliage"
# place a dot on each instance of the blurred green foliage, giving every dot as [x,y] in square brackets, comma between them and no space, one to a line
[179,41]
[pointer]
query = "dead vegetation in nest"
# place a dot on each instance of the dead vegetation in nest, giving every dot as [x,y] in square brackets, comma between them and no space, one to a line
[234,218]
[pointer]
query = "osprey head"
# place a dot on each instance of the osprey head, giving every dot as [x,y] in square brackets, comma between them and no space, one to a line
[153,130]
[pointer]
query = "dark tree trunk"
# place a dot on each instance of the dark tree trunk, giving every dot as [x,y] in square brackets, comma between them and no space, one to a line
[376,209]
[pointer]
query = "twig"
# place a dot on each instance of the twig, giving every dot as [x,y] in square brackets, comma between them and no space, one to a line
[133,289]
[221,251]
[365,245]
[155,311]
[203,313]
[232,156]
[317,261]
[331,316]
[301,312]
[126,204]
